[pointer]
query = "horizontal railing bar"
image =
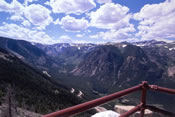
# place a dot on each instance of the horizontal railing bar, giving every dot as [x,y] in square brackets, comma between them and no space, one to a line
[90,104]
[162,89]
[132,111]
[155,109]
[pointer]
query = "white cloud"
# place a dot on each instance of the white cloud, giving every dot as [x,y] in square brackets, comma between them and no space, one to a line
[28,1]
[12,7]
[47,3]
[110,16]
[82,41]
[4,6]
[72,6]
[15,8]
[20,32]
[26,23]
[94,36]
[79,35]
[116,35]
[115,18]
[75,25]
[104,1]
[89,31]
[157,21]
[38,15]
[68,39]
[16,17]
[65,39]
[57,21]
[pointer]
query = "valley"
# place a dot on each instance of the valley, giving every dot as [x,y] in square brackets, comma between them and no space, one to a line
[52,77]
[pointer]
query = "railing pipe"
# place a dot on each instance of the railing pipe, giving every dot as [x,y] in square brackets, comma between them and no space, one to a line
[162,89]
[132,111]
[88,105]
[142,106]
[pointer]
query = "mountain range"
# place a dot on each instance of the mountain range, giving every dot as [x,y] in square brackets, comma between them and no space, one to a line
[93,69]
[32,89]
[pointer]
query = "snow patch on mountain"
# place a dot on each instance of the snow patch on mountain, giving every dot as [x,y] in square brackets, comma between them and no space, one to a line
[124,46]
[46,73]
[72,90]
[171,49]
[140,45]
[80,94]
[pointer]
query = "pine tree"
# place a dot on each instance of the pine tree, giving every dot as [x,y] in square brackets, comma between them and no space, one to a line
[10,102]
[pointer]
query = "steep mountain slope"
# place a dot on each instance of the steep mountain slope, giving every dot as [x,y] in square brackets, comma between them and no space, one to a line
[33,90]
[115,67]
[28,53]
[162,54]
[118,65]
[69,55]
[102,62]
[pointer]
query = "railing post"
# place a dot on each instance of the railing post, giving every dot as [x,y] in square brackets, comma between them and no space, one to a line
[143,98]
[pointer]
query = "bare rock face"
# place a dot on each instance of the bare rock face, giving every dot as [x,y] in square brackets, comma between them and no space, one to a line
[171,71]
[122,109]
[103,63]
[100,109]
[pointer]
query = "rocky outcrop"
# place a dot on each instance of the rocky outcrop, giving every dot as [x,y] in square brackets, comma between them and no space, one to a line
[100,109]
[122,109]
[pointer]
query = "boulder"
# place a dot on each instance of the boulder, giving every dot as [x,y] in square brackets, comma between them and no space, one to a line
[122,109]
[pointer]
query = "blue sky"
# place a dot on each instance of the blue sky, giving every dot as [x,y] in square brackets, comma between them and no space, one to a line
[87,21]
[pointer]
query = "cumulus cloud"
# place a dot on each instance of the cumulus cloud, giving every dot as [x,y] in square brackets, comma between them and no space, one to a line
[38,15]
[94,36]
[15,8]
[157,21]
[110,16]
[72,24]
[65,39]
[12,7]
[104,1]
[4,6]
[122,34]
[20,32]
[57,21]
[68,39]
[16,17]
[79,35]
[47,3]
[26,23]
[89,31]
[72,6]
[82,41]
[28,1]
[116,19]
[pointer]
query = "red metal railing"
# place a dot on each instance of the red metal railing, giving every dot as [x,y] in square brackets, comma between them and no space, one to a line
[141,107]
